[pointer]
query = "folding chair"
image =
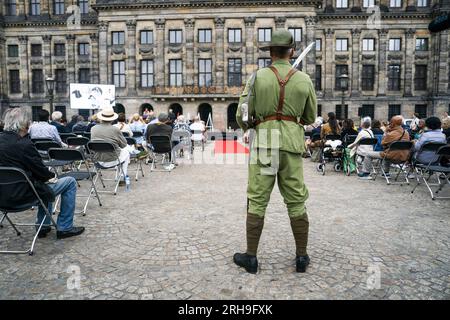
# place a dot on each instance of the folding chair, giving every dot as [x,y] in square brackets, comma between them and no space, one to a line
[16,177]
[185,142]
[76,155]
[41,140]
[395,146]
[434,167]
[126,134]
[133,156]
[98,147]
[161,145]
[197,138]
[43,147]
[86,135]
[64,136]
[366,142]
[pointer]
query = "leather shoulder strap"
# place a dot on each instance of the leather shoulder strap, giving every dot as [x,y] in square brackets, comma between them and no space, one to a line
[282,83]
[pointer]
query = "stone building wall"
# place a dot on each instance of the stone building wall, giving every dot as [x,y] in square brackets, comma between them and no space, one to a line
[317,19]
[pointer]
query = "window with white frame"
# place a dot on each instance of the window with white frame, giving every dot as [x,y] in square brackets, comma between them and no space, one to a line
[318,44]
[341,44]
[341,4]
[204,72]
[118,38]
[264,62]
[264,34]
[175,36]
[35,7]
[175,73]
[58,7]
[146,37]
[421,44]
[234,35]
[147,74]
[368,44]
[119,73]
[422,3]
[204,35]
[368,3]
[84,6]
[296,34]
[395,3]
[395,44]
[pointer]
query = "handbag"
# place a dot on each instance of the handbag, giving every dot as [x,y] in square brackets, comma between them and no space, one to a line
[44,191]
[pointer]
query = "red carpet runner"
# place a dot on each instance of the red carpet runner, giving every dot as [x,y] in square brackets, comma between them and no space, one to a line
[228,146]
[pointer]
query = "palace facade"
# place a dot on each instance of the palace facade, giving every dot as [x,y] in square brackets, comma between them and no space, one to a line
[195,56]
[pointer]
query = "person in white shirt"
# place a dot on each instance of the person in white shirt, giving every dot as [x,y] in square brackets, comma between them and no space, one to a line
[365,133]
[122,125]
[198,130]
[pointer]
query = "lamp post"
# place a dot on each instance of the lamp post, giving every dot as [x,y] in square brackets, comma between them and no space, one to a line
[343,83]
[50,83]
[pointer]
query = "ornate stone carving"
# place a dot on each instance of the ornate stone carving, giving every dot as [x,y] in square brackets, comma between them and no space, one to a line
[341,57]
[395,56]
[117,49]
[36,60]
[94,37]
[23,39]
[329,33]
[422,55]
[280,22]
[70,37]
[235,47]
[160,24]
[189,23]
[146,49]
[47,38]
[60,60]
[131,25]
[368,56]
[249,21]
[103,26]
[356,33]
[219,22]
[311,21]
[383,32]
[174,48]
[13,61]
[410,32]
[204,48]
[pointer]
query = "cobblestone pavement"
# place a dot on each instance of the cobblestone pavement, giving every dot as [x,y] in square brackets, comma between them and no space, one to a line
[173,237]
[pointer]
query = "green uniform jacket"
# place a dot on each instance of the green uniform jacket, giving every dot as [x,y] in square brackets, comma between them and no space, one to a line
[300,101]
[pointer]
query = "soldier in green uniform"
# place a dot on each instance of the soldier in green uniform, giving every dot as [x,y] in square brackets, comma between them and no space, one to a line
[279,99]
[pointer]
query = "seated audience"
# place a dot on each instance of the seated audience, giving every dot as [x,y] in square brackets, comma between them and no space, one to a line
[72,122]
[198,130]
[44,130]
[107,132]
[348,128]
[365,133]
[81,125]
[57,118]
[161,128]
[384,126]
[446,127]
[17,150]
[434,134]
[122,125]
[92,123]
[419,130]
[376,127]
[394,133]
[331,127]
[137,124]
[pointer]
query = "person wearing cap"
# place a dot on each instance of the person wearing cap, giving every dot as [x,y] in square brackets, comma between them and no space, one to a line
[109,133]
[282,99]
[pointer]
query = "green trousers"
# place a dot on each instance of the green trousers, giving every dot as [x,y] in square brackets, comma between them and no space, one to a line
[267,165]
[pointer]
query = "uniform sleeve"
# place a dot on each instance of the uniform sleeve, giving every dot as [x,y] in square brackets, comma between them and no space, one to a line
[244,94]
[310,111]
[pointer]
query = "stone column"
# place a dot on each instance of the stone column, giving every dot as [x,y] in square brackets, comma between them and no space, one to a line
[24,69]
[443,52]
[409,60]
[355,76]
[3,72]
[46,7]
[251,48]
[220,63]
[21,8]
[160,62]
[329,62]
[95,78]
[310,59]
[71,54]
[47,52]
[103,51]
[382,66]
[131,68]
[190,63]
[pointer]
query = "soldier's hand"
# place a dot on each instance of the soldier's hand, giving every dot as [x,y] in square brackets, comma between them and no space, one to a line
[246,137]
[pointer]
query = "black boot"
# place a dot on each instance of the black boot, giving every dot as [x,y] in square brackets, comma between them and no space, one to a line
[302,262]
[250,263]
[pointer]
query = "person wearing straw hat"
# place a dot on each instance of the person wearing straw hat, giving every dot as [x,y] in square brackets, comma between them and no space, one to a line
[280,99]
[109,133]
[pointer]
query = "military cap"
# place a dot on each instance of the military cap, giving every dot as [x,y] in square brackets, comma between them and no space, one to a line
[281,38]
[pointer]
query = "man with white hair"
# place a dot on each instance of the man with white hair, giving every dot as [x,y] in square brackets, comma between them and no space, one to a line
[365,133]
[17,150]
[57,122]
